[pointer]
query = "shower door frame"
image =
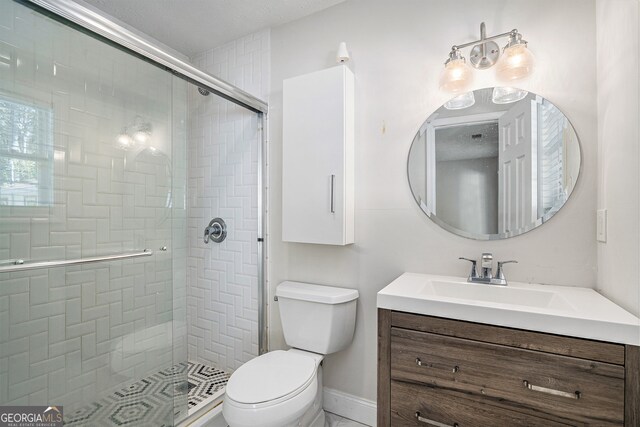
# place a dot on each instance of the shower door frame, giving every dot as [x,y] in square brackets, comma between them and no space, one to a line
[101,26]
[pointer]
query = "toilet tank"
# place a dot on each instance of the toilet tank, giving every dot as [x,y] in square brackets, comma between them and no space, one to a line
[317,318]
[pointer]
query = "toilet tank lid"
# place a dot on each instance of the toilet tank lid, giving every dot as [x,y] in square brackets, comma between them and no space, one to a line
[315,293]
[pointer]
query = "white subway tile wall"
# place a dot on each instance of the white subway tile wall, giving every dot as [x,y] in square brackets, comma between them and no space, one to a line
[69,334]
[223,163]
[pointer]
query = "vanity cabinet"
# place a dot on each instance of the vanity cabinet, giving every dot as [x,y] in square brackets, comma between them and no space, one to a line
[318,157]
[441,372]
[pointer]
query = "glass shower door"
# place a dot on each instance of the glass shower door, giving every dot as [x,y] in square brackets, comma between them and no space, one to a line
[92,166]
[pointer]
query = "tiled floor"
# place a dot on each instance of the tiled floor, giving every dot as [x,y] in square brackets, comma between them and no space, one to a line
[150,401]
[206,384]
[333,420]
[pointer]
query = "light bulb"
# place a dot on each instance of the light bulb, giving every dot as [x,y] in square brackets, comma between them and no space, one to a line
[515,63]
[457,76]
[460,102]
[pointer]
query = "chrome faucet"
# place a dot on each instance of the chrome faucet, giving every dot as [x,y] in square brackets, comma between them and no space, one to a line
[487,266]
[486,275]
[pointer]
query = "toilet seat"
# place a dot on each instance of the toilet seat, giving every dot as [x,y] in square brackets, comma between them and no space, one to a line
[270,378]
[273,390]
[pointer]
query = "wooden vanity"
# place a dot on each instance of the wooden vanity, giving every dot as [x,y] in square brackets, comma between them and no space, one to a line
[440,372]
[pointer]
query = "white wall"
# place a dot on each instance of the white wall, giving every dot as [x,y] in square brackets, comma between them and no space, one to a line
[398,50]
[223,175]
[618,159]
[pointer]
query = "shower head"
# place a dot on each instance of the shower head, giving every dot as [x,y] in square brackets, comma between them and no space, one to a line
[203,91]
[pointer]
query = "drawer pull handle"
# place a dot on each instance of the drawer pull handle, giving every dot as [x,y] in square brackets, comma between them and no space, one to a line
[419,363]
[432,422]
[532,387]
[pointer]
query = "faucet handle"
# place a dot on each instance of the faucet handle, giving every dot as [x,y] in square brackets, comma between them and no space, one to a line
[500,272]
[474,272]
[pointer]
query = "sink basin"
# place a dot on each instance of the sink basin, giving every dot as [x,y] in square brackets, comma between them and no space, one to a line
[474,292]
[562,310]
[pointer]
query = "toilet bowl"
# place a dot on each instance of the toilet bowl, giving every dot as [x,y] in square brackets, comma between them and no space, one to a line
[276,389]
[284,388]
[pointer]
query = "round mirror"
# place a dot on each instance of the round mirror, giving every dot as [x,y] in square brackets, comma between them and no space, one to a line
[494,163]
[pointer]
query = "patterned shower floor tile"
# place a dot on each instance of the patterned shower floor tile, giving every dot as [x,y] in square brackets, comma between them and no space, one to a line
[150,401]
[205,383]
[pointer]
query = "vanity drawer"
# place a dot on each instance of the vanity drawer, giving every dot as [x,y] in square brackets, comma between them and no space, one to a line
[526,381]
[449,408]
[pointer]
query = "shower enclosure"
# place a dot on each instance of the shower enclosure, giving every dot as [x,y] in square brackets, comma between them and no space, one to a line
[96,137]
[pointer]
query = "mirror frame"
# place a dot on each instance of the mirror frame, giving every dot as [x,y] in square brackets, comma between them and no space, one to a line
[498,236]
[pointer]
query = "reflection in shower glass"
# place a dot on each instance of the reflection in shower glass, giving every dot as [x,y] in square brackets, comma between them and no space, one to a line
[104,339]
[26,150]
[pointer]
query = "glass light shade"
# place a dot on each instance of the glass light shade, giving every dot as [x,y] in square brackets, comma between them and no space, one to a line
[507,95]
[456,77]
[460,102]
[515,63]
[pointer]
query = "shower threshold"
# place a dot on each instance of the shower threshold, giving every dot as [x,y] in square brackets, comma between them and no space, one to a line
[206,386]
[150,400]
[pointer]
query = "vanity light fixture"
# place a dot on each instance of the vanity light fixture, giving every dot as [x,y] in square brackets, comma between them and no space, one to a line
[516,61]
[457,75]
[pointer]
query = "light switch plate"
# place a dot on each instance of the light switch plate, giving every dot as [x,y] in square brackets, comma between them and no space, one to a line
[601,226]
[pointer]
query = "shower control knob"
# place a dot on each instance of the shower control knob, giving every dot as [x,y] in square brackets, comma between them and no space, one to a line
[216,231]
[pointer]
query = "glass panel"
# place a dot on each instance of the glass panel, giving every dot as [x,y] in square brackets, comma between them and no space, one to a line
[224,144]
[180,248]
[92,162]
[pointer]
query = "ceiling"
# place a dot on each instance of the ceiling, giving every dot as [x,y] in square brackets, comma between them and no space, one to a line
[195,26]
[467,141]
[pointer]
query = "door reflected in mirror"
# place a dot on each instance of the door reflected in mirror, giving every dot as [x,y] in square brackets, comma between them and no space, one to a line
[496,169]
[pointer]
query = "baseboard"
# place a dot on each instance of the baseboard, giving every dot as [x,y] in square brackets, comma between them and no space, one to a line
[349,406]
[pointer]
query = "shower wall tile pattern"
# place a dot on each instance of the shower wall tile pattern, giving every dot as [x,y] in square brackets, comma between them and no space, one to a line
[223,160]
[67,335]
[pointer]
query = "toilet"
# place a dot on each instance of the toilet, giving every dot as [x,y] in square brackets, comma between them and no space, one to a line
[284,388]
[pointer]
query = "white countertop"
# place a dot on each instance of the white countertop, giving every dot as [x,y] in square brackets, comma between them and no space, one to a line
[563,310]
